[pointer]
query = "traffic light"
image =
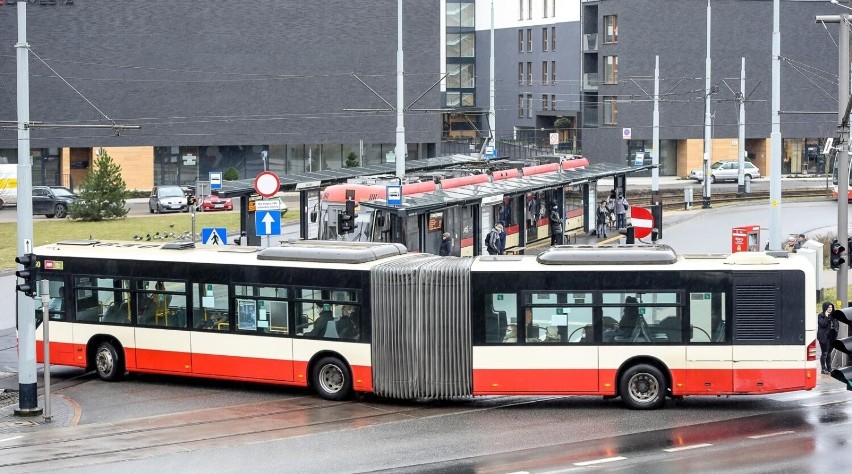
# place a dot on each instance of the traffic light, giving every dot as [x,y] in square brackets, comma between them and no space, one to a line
[27,274]
[836,259]
[843,374]
[346,220]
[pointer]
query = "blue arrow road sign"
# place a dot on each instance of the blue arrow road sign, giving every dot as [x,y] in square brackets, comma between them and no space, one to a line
[267,223]
[214,236]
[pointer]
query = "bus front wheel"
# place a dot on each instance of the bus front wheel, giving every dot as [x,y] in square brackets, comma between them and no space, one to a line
[332,379]
[643,387]
[108,362]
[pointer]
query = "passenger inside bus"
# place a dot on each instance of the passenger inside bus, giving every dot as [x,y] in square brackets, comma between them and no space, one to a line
[321,322]
[348,324]
[532,328]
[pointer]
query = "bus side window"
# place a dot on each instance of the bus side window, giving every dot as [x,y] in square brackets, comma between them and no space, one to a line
[210,307]
[708,320]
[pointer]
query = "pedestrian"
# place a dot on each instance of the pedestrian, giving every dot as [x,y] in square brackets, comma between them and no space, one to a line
[532,212]
[555,224]
[601,217]
[492,240]
[827,327]
[790,246]
[621,207]
[446,245]
[800,240]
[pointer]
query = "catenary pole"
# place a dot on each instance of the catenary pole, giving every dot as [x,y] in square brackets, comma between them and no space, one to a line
[775,134]
[400,148]
[708,134]
[492,117]
[655,137]
[27,382]
[741,134]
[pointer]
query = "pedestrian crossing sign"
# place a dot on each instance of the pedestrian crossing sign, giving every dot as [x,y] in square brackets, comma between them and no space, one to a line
[214,236]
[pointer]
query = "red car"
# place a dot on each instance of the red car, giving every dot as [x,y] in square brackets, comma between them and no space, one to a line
[215,203]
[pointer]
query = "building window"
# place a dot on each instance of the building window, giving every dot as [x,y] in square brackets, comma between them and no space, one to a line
[552,101]
[553,38]
[529,105]
[544,39]
[460,45]
[544,102]
[544,73]
[520,41]
[520,105]
[529,73]
[520,9]
[520,73]
[529,9]
[553,8]
[460,14]
[553,72]
[610,110]
[610,70]
[453,99]
[611,29]
[460,76]
[544,7]
[529,40]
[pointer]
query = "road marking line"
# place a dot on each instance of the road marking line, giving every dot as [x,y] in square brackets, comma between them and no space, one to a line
[835,402]
[769,435]
[600,461]
[685,448]
[10,439]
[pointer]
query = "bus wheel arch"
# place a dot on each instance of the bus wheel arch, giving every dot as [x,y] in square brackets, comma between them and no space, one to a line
[330,375]
[105,355]
[642,370]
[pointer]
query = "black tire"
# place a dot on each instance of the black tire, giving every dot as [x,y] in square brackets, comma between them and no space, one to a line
[49,216]
[643,387]
[60,211]
[109,363]
[331,379]
[747,177]
[712,179]
[150,209]
[2,204]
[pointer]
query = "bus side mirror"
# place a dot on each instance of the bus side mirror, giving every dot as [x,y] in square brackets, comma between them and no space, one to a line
[313,216]
[380,219]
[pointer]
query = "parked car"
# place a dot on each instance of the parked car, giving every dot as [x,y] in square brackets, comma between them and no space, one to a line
[52,201]
[215,203]
[168,198]
[726,171]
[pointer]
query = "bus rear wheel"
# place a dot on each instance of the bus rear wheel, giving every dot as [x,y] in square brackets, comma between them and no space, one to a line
[332,379]
[108,362]
[643,387]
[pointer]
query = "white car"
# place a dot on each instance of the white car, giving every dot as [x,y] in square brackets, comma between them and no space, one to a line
[726,171]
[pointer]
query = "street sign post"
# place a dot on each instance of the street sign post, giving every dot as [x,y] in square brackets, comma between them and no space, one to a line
[642,221]
[394,195]
[214,236]
[267,205]
[267,222]
[215,180]
[267,184]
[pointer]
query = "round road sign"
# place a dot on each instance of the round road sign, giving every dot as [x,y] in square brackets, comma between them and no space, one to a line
[266,184]
[642,221]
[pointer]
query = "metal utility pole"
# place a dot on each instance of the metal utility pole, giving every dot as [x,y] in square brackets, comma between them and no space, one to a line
[400,148]
[492,119]
[775,134]
[655,137]
[708,135]
[741,134]
[27,382]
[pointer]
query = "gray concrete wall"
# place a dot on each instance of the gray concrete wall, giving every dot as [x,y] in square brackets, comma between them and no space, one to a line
[205,73]
[675,30]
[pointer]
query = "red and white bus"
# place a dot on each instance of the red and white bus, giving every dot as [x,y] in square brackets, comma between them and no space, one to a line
[634,321]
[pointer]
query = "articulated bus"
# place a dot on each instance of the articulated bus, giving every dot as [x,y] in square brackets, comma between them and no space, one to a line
[639,322]
[333,200]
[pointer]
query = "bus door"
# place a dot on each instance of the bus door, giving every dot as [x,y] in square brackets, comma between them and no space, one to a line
[709,354]
[467,222]
[486,223]
[434,231]
[162,344]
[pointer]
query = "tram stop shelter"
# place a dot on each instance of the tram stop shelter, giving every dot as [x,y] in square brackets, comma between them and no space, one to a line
[309,185]
[521,204]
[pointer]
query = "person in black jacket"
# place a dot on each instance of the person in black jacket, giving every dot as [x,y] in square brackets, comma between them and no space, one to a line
[446,245]
[827,327]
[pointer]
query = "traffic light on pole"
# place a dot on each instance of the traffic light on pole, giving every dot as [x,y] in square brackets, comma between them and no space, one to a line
[843,374]
[27,274]
[836,258]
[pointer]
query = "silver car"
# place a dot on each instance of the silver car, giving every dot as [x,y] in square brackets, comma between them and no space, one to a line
[167,198]
[726,171]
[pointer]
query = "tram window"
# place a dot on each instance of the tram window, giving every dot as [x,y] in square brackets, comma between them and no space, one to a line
[261,310]
[708,318]
[161,303]
[210,308]
[501,318]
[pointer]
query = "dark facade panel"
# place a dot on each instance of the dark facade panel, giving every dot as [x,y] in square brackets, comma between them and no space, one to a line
[206,73]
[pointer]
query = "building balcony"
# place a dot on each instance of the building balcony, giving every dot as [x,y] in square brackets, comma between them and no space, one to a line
[590,81]
[590,42]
